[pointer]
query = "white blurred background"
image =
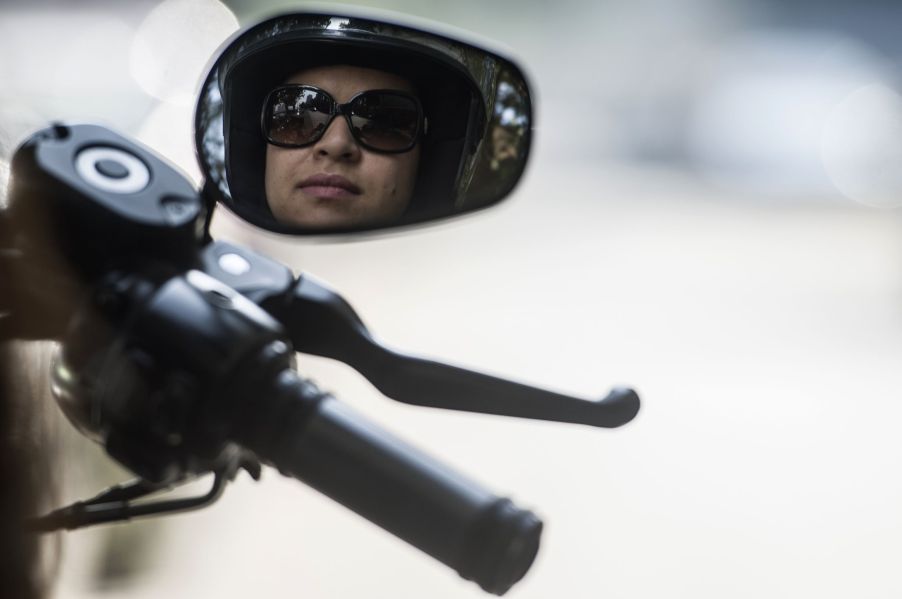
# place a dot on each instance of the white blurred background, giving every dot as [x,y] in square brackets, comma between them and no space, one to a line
[711,215]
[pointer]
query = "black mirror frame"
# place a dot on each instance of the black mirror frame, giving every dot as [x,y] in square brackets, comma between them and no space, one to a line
[495,71]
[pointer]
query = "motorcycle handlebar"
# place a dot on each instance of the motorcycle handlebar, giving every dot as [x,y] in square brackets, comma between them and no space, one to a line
[309,435]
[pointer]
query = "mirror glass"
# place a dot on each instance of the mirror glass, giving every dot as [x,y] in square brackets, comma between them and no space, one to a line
[321,123]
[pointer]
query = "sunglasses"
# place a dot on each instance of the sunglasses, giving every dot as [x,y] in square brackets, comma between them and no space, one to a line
[381,120]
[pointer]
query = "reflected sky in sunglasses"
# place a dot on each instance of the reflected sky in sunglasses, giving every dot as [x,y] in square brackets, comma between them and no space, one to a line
[380,120]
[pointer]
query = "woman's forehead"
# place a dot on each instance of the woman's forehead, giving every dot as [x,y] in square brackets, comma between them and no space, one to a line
[343,81]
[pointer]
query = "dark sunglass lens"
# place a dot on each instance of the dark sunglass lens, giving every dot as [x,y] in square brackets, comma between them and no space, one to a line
[296,116]
[385,121]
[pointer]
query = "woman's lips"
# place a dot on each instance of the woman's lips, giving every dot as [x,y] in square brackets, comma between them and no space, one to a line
[328,186]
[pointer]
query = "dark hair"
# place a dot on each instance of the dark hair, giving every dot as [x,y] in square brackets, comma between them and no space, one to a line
[26,439]
[25,483]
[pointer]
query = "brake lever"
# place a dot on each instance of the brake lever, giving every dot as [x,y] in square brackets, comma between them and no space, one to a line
[320,322]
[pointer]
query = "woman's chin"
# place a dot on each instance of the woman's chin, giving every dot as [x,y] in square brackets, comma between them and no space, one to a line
[326,218]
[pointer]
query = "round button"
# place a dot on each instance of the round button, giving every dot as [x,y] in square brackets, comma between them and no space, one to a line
[234,264]
[111,168]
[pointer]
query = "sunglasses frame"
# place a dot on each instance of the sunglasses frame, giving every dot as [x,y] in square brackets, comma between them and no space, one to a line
[344,110]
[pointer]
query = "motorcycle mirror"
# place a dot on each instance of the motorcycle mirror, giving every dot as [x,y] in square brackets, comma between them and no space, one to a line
[288,140]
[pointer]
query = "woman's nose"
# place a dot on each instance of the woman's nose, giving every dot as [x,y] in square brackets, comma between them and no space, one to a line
[337,142]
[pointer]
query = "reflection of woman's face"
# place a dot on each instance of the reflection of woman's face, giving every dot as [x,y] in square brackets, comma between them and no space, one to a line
[335,182]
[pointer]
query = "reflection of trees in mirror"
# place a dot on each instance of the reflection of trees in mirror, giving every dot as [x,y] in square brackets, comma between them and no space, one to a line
[510,124]
[211,145]
[506,145]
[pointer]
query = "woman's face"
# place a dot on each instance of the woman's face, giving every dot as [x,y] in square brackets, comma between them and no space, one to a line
[335,182]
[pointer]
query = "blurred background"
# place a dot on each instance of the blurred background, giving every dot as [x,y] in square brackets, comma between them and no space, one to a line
[710,215]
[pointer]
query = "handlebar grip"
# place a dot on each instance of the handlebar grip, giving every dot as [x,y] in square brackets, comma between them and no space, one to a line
[309,435]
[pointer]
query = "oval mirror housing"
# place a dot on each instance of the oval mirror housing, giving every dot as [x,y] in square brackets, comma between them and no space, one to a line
[311,123]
